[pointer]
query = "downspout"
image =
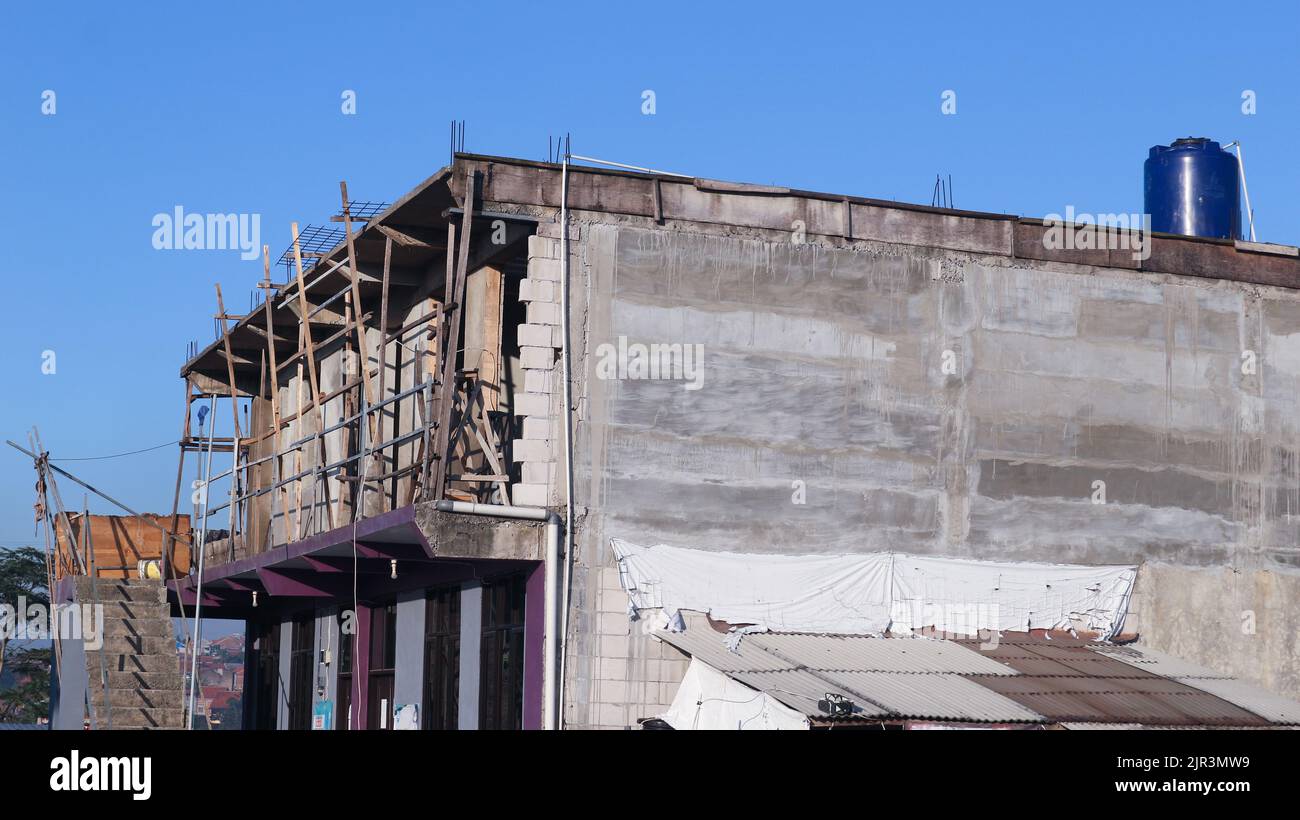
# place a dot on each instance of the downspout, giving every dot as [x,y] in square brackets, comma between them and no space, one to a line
[550,628]
[567,376]
[197,631]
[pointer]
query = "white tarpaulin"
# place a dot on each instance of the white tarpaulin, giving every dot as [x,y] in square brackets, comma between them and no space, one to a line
[708,699]
[871,592]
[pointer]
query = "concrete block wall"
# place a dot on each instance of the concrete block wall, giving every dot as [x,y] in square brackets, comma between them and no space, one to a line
[540,340]
[634,675]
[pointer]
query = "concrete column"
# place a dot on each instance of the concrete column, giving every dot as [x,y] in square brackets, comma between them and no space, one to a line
[282,689]
[327,639]
[408,678]
[68,685]
[471,642]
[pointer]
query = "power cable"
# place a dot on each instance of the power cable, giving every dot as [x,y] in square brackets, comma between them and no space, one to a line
[119,455]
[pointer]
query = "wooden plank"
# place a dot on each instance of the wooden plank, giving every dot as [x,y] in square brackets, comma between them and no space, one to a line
[303,308]
[311,367]
[453,335]
[483,307]
[362,347]
[278,467]
[403,239]
[169,557]
[230,364]
[383,361]
[119,542]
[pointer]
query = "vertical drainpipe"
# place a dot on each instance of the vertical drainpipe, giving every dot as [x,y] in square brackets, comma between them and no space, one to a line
[567,375]
[550,596]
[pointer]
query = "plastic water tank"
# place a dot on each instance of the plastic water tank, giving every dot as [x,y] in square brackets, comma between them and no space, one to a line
[1192,188]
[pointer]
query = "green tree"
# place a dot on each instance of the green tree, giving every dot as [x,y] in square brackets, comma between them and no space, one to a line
[28,701]
[22,575]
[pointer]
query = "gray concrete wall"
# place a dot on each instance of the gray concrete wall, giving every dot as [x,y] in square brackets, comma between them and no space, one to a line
[937,402]
[282,686]
[471,643]
[408,678]
[68,685]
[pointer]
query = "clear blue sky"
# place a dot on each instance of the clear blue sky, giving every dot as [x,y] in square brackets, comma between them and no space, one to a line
[236,108]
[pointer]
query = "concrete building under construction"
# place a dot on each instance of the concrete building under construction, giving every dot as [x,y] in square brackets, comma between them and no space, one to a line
[456,433]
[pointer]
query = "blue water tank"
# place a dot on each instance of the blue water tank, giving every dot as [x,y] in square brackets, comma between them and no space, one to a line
[1192,188]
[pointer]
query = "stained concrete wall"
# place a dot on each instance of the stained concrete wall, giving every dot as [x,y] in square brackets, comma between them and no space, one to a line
[408,678]
[935,402]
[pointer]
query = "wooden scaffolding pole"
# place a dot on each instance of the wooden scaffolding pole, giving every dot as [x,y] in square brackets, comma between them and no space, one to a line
[275,400]
[169,554]
[311,367]
[454,310]
[362,348]
[383,360]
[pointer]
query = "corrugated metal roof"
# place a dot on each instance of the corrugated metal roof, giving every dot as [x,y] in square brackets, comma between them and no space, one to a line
[1259,701]
[1113,726]
[873,654]
[886,678]
[1140,698]
[701,641]
[938,697]
[1024,678]
[1158,663]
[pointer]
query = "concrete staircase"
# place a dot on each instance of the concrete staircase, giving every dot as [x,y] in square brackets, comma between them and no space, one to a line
[145,690]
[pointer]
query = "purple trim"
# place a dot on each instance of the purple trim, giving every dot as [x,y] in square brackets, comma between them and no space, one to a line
[534,629]
[285,584]
[403,517]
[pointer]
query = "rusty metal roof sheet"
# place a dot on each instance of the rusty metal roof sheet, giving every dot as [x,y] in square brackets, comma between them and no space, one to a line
[1158,663]
[1025,678]
[874,654]
[1261,702]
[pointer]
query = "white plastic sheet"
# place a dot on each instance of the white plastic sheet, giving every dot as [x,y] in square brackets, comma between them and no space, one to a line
[871,593]
[708,699]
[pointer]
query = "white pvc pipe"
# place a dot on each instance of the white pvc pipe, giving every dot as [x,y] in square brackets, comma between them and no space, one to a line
[1250,212]
[499,510]
[567,376]
[196,634]
[550,636]
[550,596]
[1240,168]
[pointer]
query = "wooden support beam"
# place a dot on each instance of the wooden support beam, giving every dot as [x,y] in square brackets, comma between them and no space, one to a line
[411,237]
[230,364]
[169,555]
[457,298]
[311,367]
[383,355]
[275,398]
[362,347]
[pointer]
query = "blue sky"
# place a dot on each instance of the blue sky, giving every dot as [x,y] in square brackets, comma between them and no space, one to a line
[239,110]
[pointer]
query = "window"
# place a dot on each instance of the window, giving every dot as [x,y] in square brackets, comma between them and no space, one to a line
[302,652]
[441,658]
[501,695]
[383,660]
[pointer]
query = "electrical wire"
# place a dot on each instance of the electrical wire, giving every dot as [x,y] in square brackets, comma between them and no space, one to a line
[119,455]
